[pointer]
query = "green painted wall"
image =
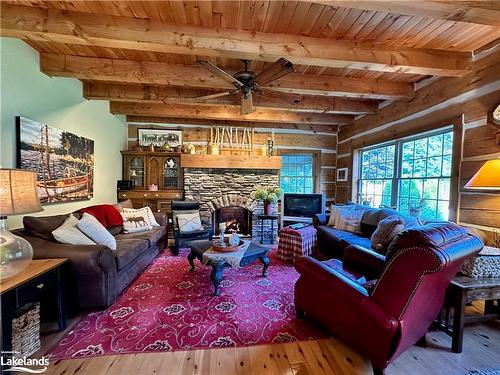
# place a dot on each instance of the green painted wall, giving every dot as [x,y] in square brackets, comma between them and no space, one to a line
[57,102]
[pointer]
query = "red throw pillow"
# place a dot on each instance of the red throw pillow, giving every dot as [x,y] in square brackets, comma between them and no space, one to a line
[106,214]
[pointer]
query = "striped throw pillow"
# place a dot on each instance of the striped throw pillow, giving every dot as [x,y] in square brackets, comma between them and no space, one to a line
[387,229]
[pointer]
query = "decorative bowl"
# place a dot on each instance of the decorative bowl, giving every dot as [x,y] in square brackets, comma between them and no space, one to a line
[227,248]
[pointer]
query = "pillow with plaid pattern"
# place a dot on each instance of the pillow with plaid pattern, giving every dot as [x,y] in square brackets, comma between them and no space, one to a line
[189,222]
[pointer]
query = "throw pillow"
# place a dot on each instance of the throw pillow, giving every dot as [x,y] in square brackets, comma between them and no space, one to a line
[334,213]
[69,233]
[387,229]
[123,204]
[89,225]
[349,219]
[145,213]
[133,221]
[189,222]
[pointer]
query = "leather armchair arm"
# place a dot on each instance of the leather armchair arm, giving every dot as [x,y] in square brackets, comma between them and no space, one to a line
[84,259]
[320,219]
[364,261]
[329,278]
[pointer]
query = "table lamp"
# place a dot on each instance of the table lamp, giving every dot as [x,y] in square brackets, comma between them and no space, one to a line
[487,177]
[18,196]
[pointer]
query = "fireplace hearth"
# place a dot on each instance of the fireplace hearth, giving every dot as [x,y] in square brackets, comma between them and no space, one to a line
[237,219]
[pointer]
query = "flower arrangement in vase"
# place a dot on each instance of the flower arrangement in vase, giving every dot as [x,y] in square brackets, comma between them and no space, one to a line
[269,195]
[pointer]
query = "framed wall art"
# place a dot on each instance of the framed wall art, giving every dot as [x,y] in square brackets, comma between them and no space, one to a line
[158,137]
[342,174]
[64,161]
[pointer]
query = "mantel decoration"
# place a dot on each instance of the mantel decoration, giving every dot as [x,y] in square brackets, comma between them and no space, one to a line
[63,161]
[18,195]
[164,139]
[269,195]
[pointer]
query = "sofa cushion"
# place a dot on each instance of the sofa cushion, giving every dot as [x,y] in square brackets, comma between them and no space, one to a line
[127,250]
[89,225]
[106,214]
[369,221]
[152,236]
[43,226]
[387,229]
[341,239]
[68,233]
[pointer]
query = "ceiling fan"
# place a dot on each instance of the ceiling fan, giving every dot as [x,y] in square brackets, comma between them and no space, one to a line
[247,81]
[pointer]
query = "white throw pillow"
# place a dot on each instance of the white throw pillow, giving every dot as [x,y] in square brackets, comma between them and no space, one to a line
[333,216]
[69,233]
[349,219]
[89,225]
[145,213]
[189,222]
[133,222]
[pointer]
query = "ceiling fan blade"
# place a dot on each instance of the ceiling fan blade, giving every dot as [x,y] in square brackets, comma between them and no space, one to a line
[277,69]
[246,104]
[213,96]
[222,74]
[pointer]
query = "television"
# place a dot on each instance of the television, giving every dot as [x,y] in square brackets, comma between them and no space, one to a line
[303,205]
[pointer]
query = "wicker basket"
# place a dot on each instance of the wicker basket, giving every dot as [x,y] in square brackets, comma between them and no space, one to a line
[26,331]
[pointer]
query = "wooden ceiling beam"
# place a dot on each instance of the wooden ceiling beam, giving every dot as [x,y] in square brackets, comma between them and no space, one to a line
[478,12]
[142,34]
[132,119]
[226,112]
[156,73]
[268,100]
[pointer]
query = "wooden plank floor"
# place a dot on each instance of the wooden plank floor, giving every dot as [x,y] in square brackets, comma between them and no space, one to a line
[327,356]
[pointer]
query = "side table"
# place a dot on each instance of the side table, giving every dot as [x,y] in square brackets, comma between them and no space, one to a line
[41,276]
[262,218]
[463,290]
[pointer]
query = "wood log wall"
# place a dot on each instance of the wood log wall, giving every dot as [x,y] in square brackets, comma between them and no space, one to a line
[471,103]
[321,144]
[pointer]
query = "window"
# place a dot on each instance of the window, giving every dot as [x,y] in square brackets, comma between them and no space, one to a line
[297,173]
[411,175]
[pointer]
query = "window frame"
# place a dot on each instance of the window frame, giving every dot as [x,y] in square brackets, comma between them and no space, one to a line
[398,160]
[315,166]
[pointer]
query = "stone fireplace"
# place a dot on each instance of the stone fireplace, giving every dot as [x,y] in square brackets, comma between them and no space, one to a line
[237,219]
[225,195]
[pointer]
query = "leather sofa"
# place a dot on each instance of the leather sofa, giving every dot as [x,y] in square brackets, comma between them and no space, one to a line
[333,242]
[97,275]
[383,321]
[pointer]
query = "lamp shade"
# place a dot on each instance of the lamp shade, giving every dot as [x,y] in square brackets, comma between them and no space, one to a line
[18,193]
[487,177]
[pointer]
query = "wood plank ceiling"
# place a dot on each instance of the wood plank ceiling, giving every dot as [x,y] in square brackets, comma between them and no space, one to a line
[349,55]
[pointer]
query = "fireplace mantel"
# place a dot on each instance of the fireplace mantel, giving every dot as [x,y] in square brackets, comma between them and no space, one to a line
[230,161]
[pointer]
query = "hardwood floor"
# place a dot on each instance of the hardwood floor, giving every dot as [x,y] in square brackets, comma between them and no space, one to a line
[327,356]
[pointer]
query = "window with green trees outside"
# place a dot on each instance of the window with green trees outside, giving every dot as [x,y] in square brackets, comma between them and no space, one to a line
[410,175]
[297,173]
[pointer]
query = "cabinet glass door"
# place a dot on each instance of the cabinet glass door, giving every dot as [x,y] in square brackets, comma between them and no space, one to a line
[171,173]
[136,171]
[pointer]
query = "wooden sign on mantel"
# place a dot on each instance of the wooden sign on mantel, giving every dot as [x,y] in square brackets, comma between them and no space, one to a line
[232,139]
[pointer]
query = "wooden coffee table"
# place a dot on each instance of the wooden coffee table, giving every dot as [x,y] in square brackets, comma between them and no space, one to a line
[254,252]
[463,290]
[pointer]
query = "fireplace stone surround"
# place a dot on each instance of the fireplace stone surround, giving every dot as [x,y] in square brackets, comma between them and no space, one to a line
[215,188]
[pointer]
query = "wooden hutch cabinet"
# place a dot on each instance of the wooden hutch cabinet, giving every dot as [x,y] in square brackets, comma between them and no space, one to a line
[152,168]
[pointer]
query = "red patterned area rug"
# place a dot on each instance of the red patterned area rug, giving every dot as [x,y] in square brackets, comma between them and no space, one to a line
[169,308]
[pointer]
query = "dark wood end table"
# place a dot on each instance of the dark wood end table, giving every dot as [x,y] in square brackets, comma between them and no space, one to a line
[263,218]
[254,252]
[463,290]
[40,277]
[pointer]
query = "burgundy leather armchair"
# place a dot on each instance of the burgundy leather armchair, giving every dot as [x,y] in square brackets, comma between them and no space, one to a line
[407,297]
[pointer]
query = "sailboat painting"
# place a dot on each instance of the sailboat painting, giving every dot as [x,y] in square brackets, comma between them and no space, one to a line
[64,161]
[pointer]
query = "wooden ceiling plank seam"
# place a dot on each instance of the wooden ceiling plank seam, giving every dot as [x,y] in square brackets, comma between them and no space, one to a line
[359,24]
[475,12]
[259,15]
[340,30]
[285,16]
[205,13]
[299,49]
[310,19]
[322,22]
[298,19]
[401,32]
[370,26]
